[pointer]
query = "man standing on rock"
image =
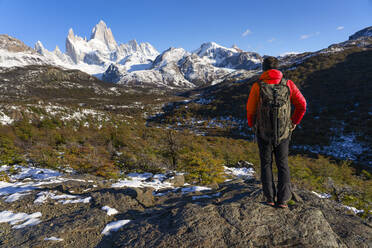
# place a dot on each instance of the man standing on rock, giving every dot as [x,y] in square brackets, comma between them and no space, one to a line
[269,114]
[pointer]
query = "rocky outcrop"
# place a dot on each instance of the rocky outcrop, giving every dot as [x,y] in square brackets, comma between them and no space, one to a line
[230,215]
[366,32]
[12,44]
[239,218]
[112,74]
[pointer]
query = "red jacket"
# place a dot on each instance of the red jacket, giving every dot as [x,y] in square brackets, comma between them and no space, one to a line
[274,77]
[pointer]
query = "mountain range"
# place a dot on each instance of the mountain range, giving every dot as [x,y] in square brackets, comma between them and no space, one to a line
[134,63]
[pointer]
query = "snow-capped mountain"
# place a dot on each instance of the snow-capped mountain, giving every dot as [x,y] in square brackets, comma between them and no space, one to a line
[96,54]
[233,58]
[176,67]
[14,52]
[132,62]
[163,71]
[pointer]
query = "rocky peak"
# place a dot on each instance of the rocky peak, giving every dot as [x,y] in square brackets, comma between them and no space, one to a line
[170,55]
[104,34]
[206,48]
[133,44]
[13,45]
[366,32]
[57,49]
[39,47]
[112,74]
[71,34]
[237,48]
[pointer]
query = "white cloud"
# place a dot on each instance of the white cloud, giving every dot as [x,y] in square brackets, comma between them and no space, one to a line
[307,36]
[271,40]
[340,27]
[247,32]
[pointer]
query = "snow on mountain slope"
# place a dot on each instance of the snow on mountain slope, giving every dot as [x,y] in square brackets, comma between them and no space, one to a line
[209,64]
[132,62]
[200,71]
[141,63]
[172,55]
[294,59]
[367,32]
[233,58]
[14,52]
[9,59]
[164,71]
[96,54]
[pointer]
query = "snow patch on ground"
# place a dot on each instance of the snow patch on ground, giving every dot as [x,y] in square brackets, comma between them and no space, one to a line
[35,173]
[327,196]
[141,180]
[353,209]
[114,226]
[79,200]
[239,172]
[110,211]
[158,182]
[53,239]
[322,195]
[23,180]
[197,197]
[344,147]
[5,120]
[194,189]
[14,197]
[45,195]
[15,218]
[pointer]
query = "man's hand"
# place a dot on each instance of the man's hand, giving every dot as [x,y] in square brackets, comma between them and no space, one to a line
[293,127]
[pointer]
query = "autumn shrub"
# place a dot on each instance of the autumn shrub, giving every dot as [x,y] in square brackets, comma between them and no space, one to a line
[25,131]
[9,153]
[44,155]
[107,170]
[4,176]
[201,167]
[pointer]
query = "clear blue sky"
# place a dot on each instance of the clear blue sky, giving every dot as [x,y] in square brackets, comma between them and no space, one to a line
[268,27]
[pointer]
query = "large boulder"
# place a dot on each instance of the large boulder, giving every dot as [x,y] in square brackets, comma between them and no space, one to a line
[239,218]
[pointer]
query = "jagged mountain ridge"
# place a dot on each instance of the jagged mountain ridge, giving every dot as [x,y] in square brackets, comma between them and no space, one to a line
[138,63]
[14,52]
[96,54]
[141,64]
[361,39]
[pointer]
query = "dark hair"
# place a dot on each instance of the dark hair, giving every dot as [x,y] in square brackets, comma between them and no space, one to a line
[270,63]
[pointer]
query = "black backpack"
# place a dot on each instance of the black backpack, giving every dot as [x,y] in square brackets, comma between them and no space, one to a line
[274,112]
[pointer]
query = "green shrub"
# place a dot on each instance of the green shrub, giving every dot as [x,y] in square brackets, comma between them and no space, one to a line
[4,176]
[9,153]
[201,167]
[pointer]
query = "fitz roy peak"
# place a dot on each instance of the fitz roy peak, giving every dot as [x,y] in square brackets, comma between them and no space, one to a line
[104,34]
[95,55]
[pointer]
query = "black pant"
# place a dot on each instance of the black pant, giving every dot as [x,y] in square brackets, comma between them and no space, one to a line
[283,191]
